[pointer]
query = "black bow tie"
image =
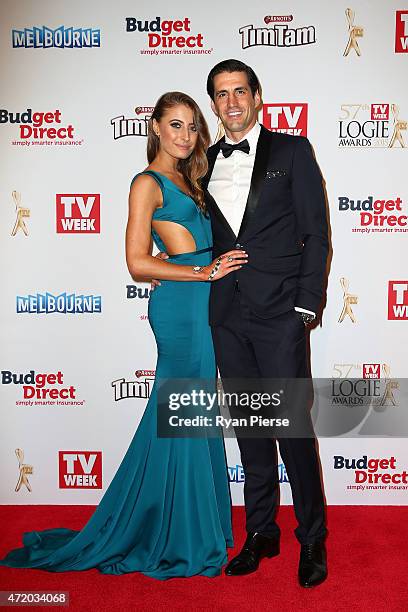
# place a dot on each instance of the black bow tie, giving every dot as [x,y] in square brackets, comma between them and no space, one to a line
[227,149]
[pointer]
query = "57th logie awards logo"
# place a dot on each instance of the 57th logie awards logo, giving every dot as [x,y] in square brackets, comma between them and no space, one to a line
[21,214]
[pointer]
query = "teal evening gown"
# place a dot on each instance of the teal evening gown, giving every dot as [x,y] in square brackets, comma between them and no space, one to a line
[166,512]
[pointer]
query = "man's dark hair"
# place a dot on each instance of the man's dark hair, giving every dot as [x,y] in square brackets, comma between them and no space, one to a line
[233,65]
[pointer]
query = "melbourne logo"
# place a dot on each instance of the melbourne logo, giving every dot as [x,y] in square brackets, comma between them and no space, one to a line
[134,126]
[398,300]
[278,35]
[78,214]
[236,473]
[39,128]
[372,473]
[168,36]
[141,389]
[401,32]
[80,469]
[288,118]
[375,215]
[62,37]
[66,303]
[42,389]
[371,125]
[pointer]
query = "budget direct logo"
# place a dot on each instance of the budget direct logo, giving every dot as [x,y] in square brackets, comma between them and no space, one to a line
[78,213]
[168,36]
[139,388]
[375,215]
[398,300]
[133,126]
[133,291]
[236,473]
[41,389]
[368,474]
[401,32]
[80,469]
[288,118]
[40,128]
[376,125]
[280,34]
[65,303]
[61,38]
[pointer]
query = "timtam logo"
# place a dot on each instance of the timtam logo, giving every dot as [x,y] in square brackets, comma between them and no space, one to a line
[398,300]
[78,213]
[134,126]
[288,118]
[401,32]
[277,35]
[80,469]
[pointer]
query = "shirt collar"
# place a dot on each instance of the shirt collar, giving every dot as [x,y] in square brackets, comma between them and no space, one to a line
[252,137]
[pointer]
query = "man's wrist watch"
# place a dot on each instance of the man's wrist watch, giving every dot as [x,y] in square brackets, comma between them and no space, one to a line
[307,318]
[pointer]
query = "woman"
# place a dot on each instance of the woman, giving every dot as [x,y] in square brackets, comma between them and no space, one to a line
[166,512]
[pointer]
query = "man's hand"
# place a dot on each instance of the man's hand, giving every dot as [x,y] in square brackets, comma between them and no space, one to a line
[155,282]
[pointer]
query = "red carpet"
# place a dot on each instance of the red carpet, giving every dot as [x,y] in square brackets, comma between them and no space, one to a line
[367,555]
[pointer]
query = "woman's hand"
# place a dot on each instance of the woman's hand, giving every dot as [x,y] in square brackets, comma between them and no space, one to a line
[225,264]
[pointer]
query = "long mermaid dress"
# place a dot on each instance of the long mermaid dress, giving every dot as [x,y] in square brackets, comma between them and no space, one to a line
[166,512]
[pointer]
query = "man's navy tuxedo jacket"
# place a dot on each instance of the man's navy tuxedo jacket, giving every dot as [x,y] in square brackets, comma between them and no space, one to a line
[283,230]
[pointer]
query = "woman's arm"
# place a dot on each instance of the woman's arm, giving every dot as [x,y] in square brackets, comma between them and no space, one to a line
[144,197]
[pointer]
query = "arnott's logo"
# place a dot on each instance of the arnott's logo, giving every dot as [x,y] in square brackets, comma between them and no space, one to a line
[168,36]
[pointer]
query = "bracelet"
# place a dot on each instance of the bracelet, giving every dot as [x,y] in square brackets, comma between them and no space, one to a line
[215,269]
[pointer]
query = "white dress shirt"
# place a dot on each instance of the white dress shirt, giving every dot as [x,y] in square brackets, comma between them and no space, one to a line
[231,179]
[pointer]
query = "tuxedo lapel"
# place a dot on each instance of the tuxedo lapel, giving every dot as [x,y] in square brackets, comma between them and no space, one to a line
[211,203]
[257,179]
[211,156]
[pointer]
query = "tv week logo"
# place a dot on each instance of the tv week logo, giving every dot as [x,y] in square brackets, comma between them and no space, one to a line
[78,213]
[398,300]
[401,32]
[288,118]
[371,370]
[80,469]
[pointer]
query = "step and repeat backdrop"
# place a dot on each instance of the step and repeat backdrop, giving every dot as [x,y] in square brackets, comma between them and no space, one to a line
[78,357]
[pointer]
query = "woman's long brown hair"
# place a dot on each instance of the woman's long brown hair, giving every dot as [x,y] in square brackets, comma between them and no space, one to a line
[195,166]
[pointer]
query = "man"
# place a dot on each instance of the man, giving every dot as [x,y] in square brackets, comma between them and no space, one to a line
[264,194]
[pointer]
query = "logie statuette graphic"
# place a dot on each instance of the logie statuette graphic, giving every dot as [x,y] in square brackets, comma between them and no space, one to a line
[348,299]
[24,470]
[354,33]
[21,213]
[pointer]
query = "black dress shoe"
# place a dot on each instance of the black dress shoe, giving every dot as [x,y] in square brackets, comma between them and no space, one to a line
[312,564]
[256,546]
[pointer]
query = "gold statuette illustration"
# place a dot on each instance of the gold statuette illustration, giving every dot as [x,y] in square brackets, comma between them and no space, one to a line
[399,126]
[348,299]
[20,214]
[354,33]
[24,471]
